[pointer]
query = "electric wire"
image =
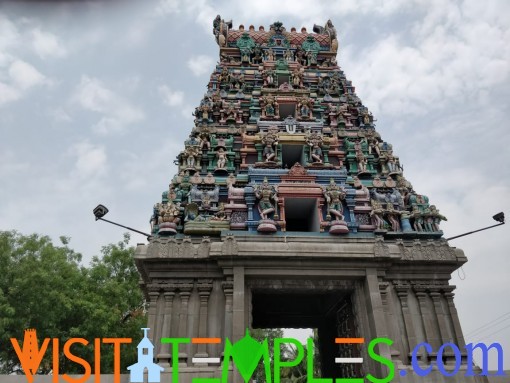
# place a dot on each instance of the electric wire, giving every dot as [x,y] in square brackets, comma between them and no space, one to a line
[492,333]
[488,324]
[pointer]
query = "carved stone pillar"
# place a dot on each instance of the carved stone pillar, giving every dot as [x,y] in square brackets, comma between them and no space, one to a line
[377,320]
[153,292]
[458,336]
[403,293]
[204,291]
[383,289]
[430,335]
[440,315]
[228,289]
[168,293]
[443,327]
[238,312]
[184,294]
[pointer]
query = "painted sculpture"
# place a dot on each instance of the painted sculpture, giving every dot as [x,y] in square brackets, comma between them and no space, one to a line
[280,126]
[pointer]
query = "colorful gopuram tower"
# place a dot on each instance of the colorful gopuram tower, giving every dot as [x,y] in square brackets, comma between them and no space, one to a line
[290,210]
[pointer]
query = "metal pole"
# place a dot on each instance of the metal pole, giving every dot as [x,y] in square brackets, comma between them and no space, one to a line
[125,227]
[475,231]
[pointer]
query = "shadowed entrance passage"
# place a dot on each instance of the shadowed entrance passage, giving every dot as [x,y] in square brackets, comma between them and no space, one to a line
[330,312]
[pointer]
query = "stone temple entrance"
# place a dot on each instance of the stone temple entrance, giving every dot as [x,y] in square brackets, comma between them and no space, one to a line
[205,287]
[327,308]
[289,209]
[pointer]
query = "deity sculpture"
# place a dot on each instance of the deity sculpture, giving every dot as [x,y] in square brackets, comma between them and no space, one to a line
[377,215]
[315,141]
[269,106]
[391,162]
[305,105]
[362,161]
[191,154]
[221,156]
[288,56]
[169,212]
[220,215]
[269,140]
[393,217]
[220,30]
[268,196]
[301,56]
[205,144]
[334,195]
[418,218]
[270,56]
[436,218]
[297,78]
[224,76]
[334,114]
[257,55]
[269,78]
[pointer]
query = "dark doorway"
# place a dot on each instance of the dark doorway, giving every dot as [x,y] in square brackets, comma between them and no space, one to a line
[287,110]
[292,154]
[301,214]
[329,312]
[282,78]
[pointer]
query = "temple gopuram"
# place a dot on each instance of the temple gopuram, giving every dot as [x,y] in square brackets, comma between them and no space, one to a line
[290,210]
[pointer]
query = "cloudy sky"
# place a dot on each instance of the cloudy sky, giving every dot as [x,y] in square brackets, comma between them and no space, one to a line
[96,101]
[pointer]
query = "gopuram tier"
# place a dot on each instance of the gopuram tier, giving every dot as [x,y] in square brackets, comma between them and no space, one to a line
[288,209]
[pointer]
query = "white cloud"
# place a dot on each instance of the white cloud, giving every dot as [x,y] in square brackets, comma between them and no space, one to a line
[449,54]
[60,115]
[201,64]
[24,75]
[137,171]
[9,38]
[8,93]
[91,160]
[46,44]
[187,111]
[117,113]
[168,7]
[10,164]
[170,97]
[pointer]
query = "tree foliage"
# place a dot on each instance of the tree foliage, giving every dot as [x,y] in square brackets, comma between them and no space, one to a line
[295,374]
[45,287]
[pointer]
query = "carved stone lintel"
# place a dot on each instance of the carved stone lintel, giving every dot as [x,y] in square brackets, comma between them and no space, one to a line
[154,289]
[169,288]
[402,288]
[430,250]
[204,287]
[436,296]
[187,248]
[204,247]
[228,287]
[184,289]
[380,248]
[383,289]
[230,246]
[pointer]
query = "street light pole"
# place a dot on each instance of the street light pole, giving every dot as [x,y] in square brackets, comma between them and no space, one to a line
[101,210]
[500,217]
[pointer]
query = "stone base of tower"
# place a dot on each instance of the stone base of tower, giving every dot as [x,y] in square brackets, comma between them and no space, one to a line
[345,287]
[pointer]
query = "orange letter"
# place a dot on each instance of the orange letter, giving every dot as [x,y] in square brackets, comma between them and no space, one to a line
[97,360]
[30,358]
[116,355]
[74,358]
[56,360]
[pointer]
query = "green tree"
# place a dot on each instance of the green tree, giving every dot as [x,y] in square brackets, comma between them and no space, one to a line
[270,334]
[45,287]
[295,374]
[299,373]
